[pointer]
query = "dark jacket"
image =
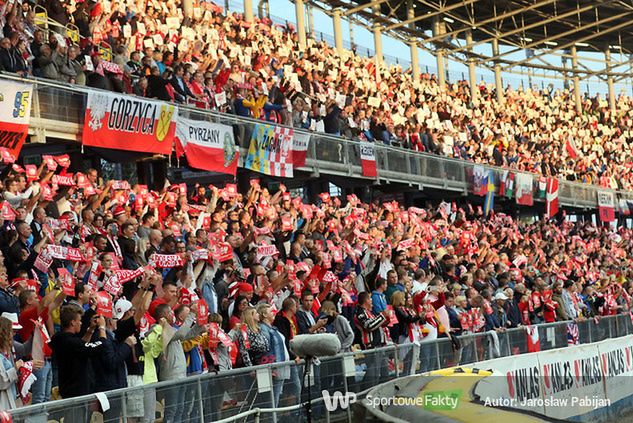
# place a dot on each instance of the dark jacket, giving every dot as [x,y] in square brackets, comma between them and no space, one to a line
[371,328]
[109,366]
[283,326]
[128,249]
[404,320]
[76,376]
[7,60]
[56,11]
[182,91]
[156,88]
[303,321]
[513,313]
[331,121]
[453,318]
[8,302]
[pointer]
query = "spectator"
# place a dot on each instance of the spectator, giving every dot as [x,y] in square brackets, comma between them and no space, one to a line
[76,375]
[306,320]
[373,335]
[379,301]
[277,345]
[173,365]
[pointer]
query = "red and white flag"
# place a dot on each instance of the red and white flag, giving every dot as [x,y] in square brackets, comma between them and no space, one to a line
[104,304]
[551,197]
[207,146]
[368,159]
[129,123]
[606,206]
[162,261]
[524,187]
[300,144]
[66,281]
[571,148]
[533,341]
[573,337]
[7,212]
[270,151]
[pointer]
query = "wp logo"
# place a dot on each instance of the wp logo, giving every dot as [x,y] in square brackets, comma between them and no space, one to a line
[333,401]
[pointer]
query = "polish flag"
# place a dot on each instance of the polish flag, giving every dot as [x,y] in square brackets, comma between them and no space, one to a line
[606,206]
[300,144]
[552,197]
[368,159]
[207,146]
[533,341]
[571,148]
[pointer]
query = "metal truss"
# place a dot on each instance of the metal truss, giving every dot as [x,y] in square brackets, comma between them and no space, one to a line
[542,27]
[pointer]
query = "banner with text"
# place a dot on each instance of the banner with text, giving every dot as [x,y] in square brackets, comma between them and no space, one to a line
[368,159]
[606,206]
[15,114]
[208,146]
[270,151]
[300,143]
[129,123]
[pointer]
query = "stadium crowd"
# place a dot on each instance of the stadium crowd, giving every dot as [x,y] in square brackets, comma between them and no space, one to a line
[256,69]
[106,285]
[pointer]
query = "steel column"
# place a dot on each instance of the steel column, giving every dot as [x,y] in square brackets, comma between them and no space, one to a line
[378,43]
[607,59]
[248,10]
[439,55]
[498,82]
[574,66]
[301,27]
[472,77]
[338,34]
[415,62]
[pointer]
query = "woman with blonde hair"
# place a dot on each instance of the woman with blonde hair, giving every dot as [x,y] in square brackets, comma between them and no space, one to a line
[406,332]
[253,344]
[8,366]
[338,325]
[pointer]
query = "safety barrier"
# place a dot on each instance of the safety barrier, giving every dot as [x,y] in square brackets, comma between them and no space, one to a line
[62,107]
[201,398]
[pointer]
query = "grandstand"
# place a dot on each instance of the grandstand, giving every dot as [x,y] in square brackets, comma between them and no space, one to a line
[195,186]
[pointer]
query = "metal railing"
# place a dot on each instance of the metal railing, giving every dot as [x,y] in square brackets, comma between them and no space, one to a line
[64,104]
[254,390]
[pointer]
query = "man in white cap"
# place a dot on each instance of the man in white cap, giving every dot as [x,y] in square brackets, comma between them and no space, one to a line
[499,309]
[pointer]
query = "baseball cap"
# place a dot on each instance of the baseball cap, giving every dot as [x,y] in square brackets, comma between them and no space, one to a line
[121,307]
[501,296]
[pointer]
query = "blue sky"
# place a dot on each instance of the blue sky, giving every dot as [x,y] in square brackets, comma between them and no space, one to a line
[281,10]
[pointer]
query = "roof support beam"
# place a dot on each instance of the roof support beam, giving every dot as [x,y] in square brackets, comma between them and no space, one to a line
[534,25]
[363,7]
[493,19]
[572,43]
[431,15]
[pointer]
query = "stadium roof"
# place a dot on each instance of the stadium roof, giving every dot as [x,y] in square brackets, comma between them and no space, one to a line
[540,27]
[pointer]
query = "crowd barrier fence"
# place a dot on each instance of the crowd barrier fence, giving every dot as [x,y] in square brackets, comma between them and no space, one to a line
[258,393]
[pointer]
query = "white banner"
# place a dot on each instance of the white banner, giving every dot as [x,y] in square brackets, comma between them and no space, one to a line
[564,383]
